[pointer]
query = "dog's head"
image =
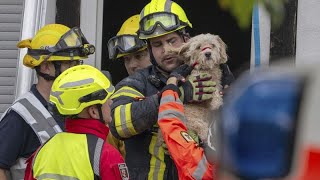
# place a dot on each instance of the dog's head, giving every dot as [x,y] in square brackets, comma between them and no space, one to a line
[206,49]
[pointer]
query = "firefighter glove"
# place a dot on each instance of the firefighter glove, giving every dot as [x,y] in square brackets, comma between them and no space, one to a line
[197,88]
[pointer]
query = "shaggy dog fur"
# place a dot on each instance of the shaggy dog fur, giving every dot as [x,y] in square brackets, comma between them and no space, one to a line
[209,51]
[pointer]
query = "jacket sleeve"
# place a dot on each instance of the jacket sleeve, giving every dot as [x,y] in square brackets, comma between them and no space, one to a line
[112,165]
[132,112]
[189,158]
[28,172]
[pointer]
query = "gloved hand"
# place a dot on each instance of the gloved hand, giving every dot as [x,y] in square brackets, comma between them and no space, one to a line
[197,88]
[181,72]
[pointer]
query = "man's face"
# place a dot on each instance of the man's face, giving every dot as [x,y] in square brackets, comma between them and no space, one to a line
[68,64]
[48,67]
[106,111]
[137,60]
[64,66]
[161,50]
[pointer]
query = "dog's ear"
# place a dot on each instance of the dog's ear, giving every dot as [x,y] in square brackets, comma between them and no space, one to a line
[184,52]
[223,50]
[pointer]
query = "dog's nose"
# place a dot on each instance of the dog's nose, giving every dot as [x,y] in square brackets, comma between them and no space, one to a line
[207,54]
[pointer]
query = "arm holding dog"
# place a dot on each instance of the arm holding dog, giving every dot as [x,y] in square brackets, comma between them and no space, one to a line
[185,152]
[132,112]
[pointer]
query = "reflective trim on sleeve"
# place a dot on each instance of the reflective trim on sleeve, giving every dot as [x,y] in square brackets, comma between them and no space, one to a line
[127,91]
[201,168]
[17,171]
[157,165]
[170,98]
[170,114]
[123,121]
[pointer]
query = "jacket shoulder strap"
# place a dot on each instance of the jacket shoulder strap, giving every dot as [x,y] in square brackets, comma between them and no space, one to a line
[95,145]
[37,116]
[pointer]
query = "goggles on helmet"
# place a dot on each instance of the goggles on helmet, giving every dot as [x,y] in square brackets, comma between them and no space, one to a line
[124,44]
[168,21]
[72,43]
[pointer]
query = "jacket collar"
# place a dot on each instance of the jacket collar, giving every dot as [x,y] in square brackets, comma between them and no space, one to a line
[87,126]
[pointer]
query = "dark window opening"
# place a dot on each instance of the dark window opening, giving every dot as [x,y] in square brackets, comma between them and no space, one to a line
[68,12]
[205,16]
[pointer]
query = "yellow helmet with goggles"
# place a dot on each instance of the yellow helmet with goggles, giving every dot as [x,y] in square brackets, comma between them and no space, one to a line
[79,87]
[161,17]
[55,42]
[126,41]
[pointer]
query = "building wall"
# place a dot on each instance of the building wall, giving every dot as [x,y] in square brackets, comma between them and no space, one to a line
[10,20]
[308,32]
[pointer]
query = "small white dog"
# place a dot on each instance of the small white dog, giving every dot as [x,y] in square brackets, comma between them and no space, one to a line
[208,51]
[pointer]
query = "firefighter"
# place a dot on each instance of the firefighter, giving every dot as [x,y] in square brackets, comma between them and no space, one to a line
[82,93]
[27,123]
[190,158]
[136,101]
[127,47]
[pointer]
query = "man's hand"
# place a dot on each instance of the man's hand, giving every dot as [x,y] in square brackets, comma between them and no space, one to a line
[3,174]
[181,72]
[198,88]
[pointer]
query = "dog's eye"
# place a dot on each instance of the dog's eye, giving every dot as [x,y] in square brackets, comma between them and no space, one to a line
[198,47]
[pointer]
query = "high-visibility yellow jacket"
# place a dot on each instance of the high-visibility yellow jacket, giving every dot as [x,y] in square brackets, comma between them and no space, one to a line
[79,153]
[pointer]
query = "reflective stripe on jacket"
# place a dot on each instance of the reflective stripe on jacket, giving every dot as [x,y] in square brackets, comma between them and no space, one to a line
[40,120]
[189,158]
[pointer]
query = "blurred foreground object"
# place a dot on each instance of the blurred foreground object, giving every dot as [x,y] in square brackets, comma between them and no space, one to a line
[269,125]
[242,10]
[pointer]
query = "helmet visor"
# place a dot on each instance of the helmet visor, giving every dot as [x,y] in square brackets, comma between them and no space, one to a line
[124,44]
[74,38]
[168,21]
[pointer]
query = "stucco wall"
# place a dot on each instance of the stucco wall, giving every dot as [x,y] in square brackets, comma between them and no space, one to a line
[308,32]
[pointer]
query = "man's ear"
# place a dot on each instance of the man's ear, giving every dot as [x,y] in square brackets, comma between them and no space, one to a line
[222,50]
[93,112]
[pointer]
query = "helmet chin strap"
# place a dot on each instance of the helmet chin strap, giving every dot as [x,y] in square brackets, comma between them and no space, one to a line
[99,106]
[57,67]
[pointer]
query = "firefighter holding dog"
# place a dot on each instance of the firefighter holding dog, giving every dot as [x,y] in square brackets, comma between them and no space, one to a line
[82,93]
[136,100]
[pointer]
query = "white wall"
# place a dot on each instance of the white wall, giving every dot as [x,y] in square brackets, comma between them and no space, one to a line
[260,38]
[91,22]
[308,32]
